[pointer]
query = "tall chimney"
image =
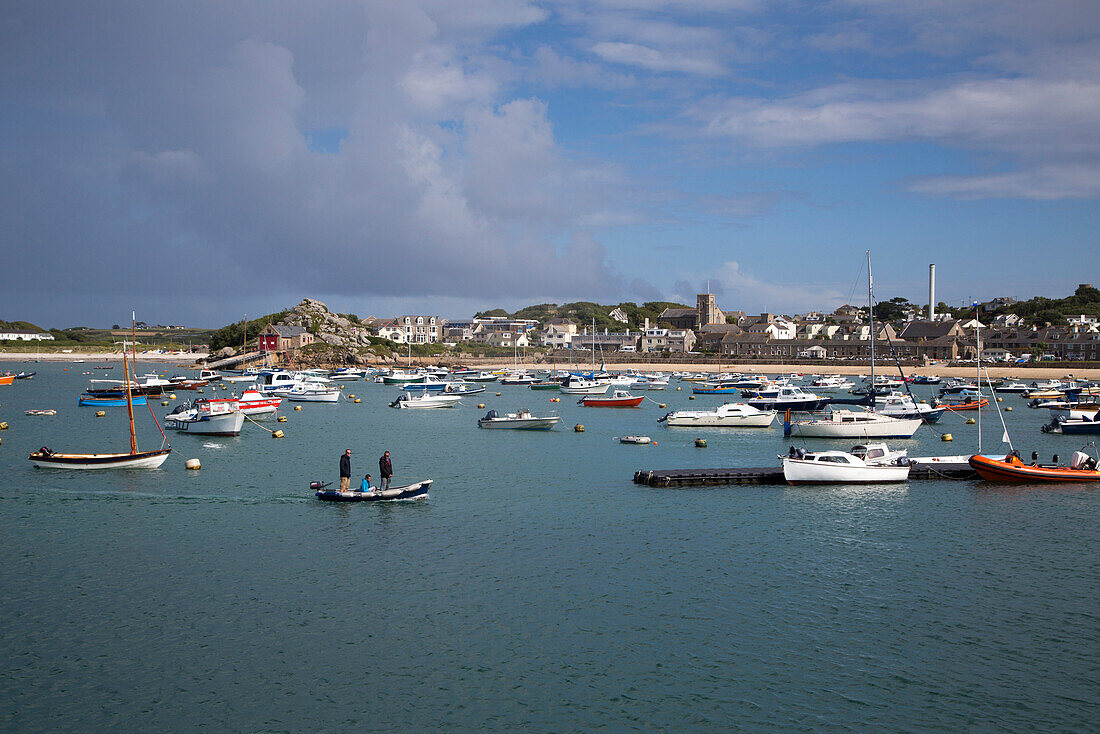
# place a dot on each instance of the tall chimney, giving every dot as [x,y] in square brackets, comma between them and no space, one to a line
[932,292]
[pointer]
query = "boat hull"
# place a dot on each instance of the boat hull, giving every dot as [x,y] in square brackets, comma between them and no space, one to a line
[417,491]
[140,460]
[796,471]
[111,402]
[894,428]
[521,424]
[220,425]
[709,419]
[998,470]
[595,402]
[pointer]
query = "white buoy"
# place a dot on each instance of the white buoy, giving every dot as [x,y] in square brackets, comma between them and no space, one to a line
[192,464]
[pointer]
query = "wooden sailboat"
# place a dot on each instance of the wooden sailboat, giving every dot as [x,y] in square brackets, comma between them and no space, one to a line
[44,458]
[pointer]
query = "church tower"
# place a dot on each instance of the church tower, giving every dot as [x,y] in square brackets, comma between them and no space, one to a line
[709,313]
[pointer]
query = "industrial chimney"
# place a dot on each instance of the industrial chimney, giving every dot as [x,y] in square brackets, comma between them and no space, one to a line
[932,292]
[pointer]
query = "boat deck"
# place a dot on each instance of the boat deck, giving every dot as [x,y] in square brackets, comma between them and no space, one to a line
[672,478]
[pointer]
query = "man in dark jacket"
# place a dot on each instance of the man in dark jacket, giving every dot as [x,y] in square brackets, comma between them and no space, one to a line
[385,470]
[345,470]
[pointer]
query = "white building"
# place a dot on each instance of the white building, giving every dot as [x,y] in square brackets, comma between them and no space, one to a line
[26,336]
[421,329]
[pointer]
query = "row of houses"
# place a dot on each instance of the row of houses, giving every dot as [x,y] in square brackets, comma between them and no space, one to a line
[25,336]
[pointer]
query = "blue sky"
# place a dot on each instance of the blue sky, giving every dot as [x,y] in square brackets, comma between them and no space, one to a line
[206,160]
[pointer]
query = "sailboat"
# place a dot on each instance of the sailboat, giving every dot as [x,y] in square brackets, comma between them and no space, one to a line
[44,458]
[857,424]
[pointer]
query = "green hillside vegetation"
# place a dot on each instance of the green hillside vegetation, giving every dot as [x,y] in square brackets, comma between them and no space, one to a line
[583,313]
[20,326]
[232,335]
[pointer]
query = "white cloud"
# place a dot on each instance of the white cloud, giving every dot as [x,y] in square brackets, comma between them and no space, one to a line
[632,54]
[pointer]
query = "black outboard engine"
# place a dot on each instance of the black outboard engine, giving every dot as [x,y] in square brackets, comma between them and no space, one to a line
[490,415]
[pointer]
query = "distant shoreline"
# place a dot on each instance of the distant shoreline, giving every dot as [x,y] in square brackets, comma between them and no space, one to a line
[190,360]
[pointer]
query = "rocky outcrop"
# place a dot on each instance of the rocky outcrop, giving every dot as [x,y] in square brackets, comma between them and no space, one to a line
[328,327]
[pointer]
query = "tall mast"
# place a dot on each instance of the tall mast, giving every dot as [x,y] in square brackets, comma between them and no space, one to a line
[978,360]
[871,311]
[126,370]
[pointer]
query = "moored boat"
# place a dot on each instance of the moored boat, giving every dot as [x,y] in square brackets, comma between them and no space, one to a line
[618,399]
[425,400]
[521,420]
[838,467]
[1082,468]
[844,423]
[217,417]
[728,415]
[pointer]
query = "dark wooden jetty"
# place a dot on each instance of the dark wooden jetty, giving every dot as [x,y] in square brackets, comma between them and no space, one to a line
[759,475]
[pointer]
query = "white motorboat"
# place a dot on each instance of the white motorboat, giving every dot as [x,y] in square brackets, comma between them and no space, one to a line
[574,385]
[728,415]
[219,417]
[348,373]
[649,383]
[791,397]
[879,454]
[635,439]
[518,378]
[831,383]
[249,375]
[838,467]
[277,382]
[897,405]
[521,420]
[313,393]
[426,400]
[858,424]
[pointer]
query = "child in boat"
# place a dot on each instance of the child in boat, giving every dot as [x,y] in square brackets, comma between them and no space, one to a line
[364,486]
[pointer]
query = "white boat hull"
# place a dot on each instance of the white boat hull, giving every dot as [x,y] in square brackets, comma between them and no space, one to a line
[229,424]
[101,461]
[521,424]
[708,419]
[428,401]
[600,389]
[880,427]
[797,471]
[315,396]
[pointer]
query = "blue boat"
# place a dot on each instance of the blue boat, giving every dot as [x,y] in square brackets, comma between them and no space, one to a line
[110,401]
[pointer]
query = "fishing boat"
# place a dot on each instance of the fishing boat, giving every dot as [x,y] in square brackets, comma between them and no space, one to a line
[1082,468]
[45,458]
[546,385]
[398,377]
[728,415]
[213,417]
[461,388]
[831,383]
[414,491]
[348,374]
[25,375]
[518,378]
[522,420]
[926,380]
[7,379]
[707,388]
[425,400]
[646,382]
[482,377]
[618,399]
[838,467]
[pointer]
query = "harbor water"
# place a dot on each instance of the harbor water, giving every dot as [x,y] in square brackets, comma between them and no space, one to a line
[538,588]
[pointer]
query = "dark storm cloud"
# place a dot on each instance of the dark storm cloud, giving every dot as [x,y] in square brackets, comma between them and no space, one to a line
[164,152]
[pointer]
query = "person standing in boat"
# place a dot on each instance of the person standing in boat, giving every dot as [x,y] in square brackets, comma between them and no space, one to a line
[364,486]
[345,470]
[385,470]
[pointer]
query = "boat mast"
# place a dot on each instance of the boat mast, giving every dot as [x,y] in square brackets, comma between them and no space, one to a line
[871,312]
[126,370]
[978,335]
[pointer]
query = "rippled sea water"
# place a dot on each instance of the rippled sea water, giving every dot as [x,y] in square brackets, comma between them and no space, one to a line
[538,588]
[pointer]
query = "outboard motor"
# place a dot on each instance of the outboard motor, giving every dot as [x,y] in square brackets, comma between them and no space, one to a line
[490,415]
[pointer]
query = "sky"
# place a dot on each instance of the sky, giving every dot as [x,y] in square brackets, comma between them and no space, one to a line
[196,162]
